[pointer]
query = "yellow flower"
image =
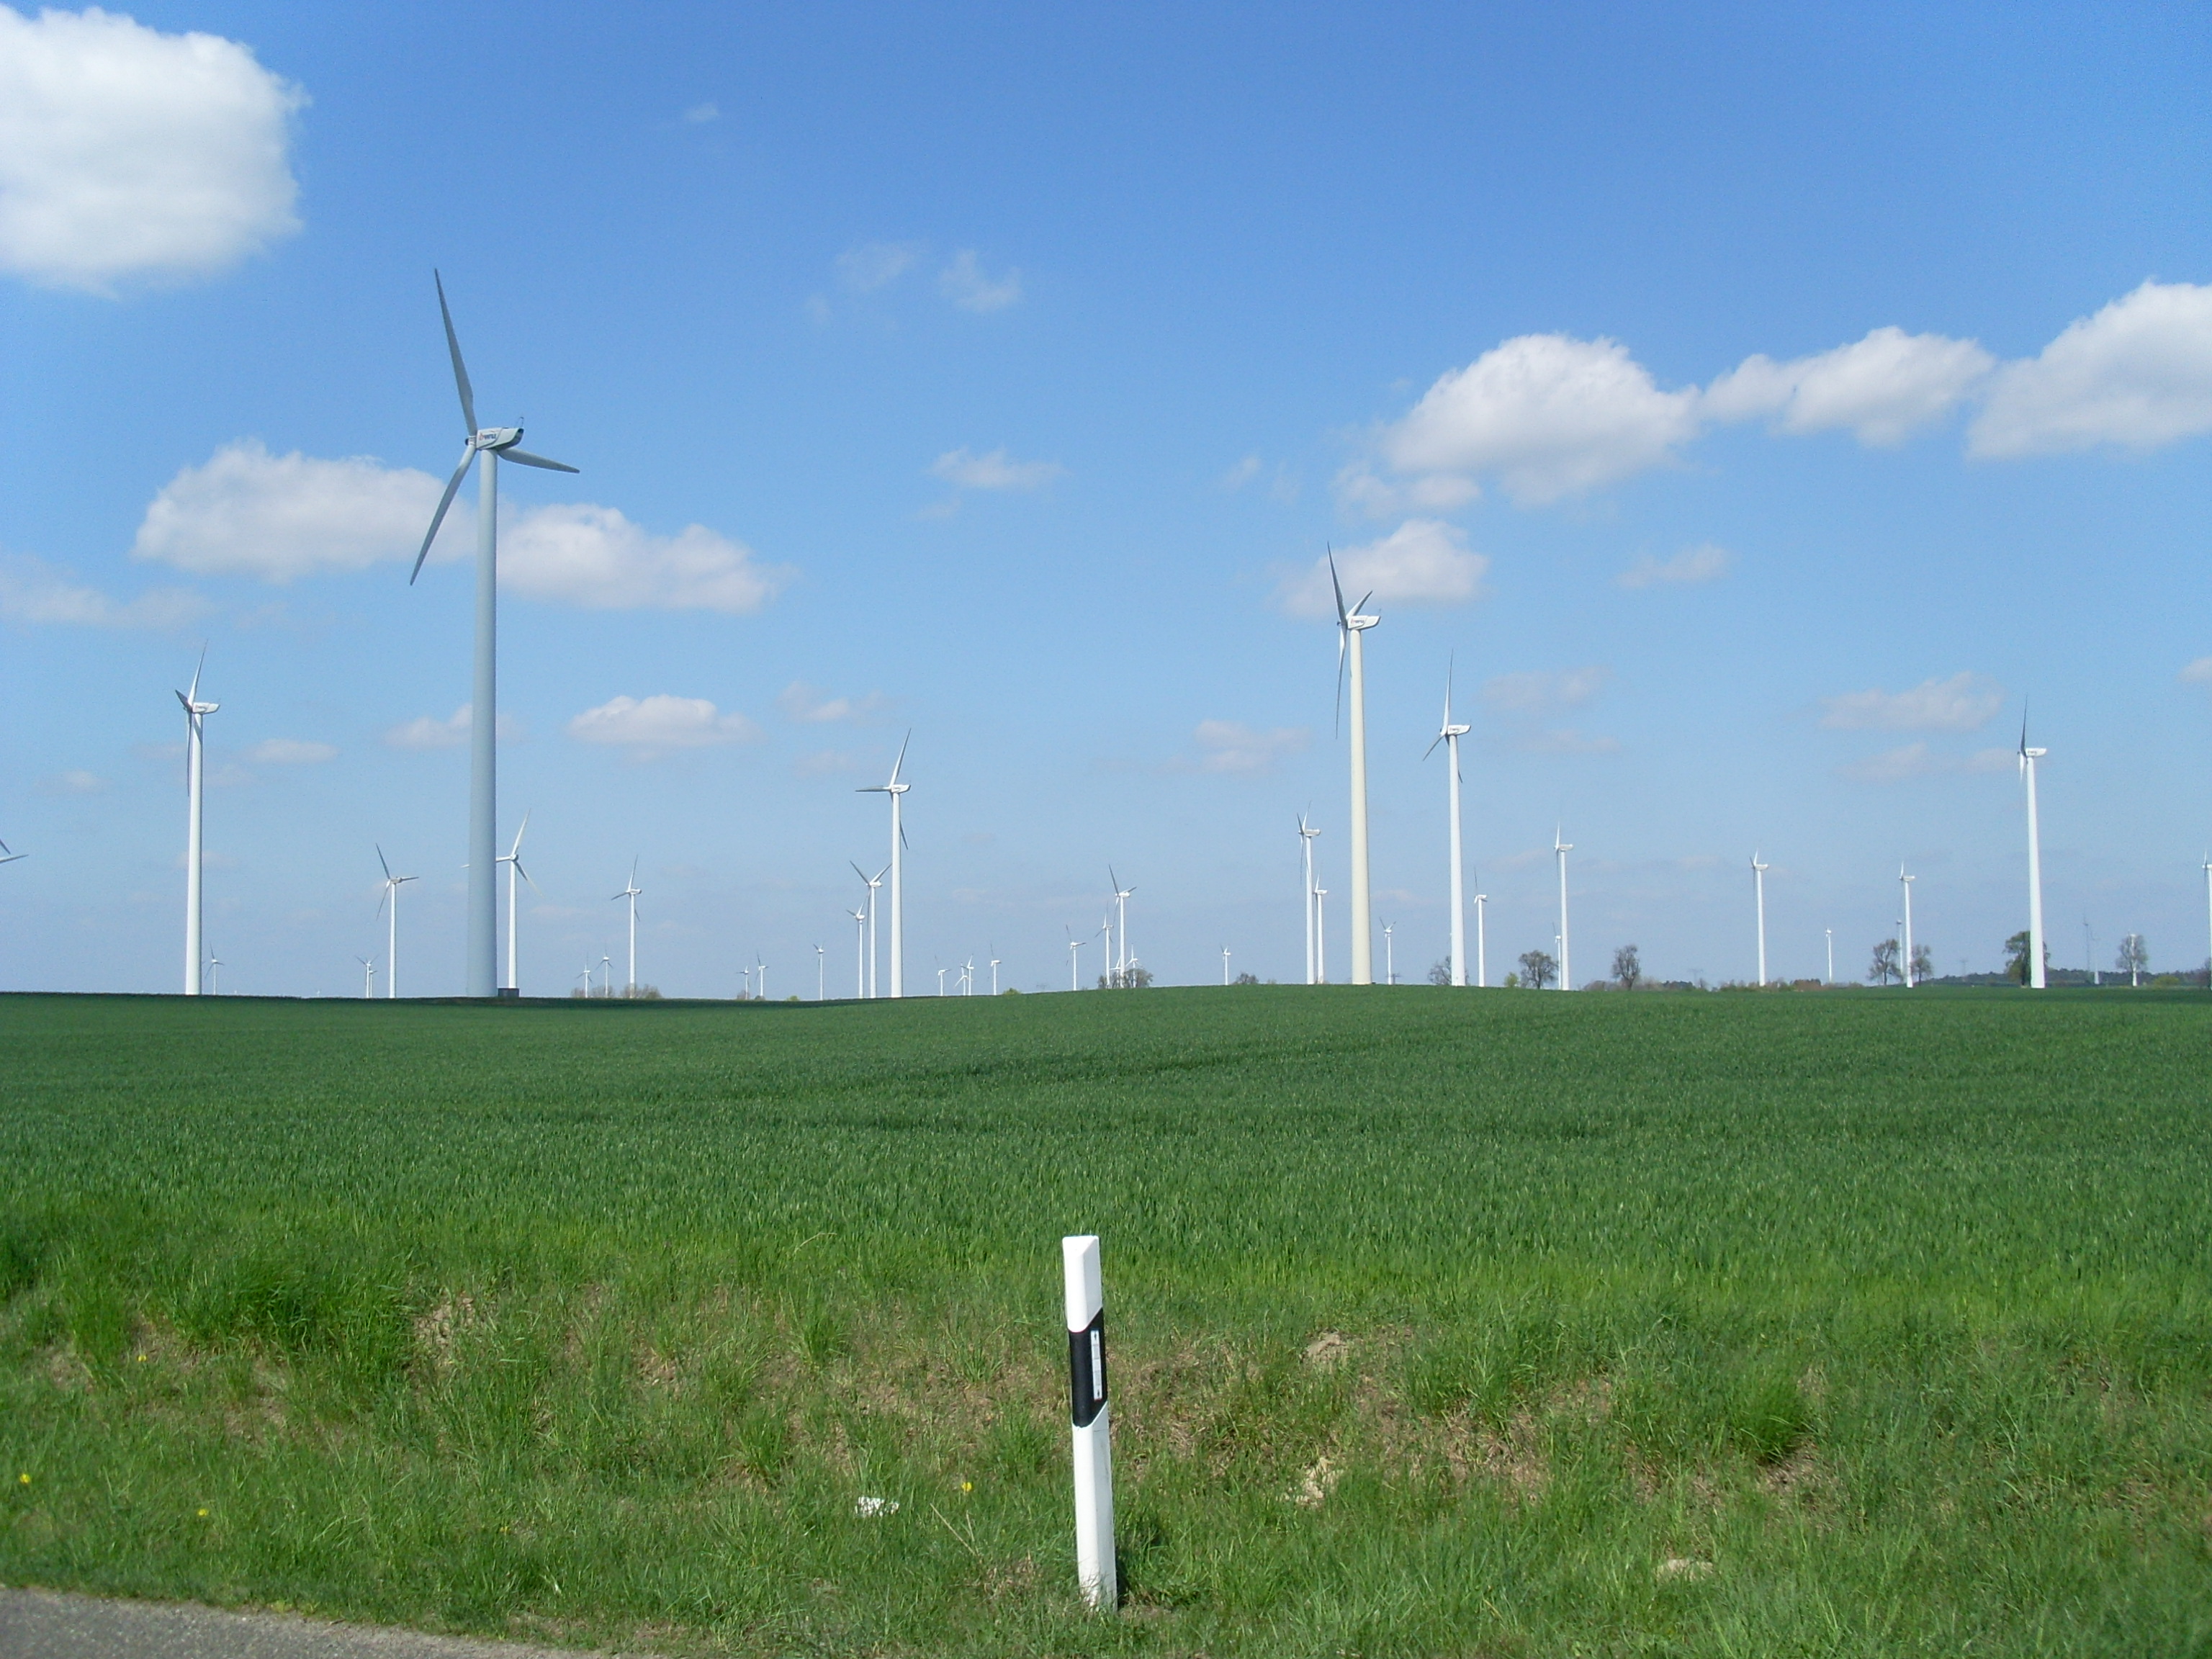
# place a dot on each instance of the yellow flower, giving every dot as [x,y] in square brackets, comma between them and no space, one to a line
[202,1515]
[25,1479]
[142,1358]
[967,1486]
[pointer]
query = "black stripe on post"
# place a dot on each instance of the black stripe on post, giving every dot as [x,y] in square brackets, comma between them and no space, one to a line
[1086,1370]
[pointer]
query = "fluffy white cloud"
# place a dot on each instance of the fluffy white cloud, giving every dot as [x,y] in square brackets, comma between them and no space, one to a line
[1706,562]
[1917,760]
[964,283]
[649,726]
[1359,487]
[2198,671]
[128,153]
[290,751]
[1232,746]
[2138,374]
[428,732]
[594,557]
[700,115]
[248,513]
[1545,413]
[73,783]
[1422,562]
[1961,703]
[32,591]
[873,265]
[996,470]
[1882,387]
[801,702]
[1545,692]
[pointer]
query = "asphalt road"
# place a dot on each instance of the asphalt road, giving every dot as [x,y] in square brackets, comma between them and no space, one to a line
[37,1624]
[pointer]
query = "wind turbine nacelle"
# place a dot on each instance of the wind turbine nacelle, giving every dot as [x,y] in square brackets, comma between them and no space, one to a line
[499,437]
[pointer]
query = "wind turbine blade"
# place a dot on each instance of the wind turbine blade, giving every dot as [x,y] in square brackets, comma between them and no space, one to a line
[515,851]
[202,665]
[527,458]
[1342,634]
[858,871]
[453,484]
[881,873]
[1337,586]
[460,369]
[1431,748]
[381,860]
[525,874]
[1361,607]
[901,761]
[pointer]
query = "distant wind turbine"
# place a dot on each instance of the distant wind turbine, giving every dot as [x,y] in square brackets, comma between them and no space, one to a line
[1559,851]
[873,882]
[897,791]
[1351,624]
[1122,959]
[1448,735]
[1830,932]
[392,884]
[1905,881]
[859,953]
[994,975]
[1390,955]
[1321,935]
[2208,916]
[367,976]
[1306,834]
[1759,888]
[513,859]
[630,891]
[821,975]
[214,962]
[1074,969]
[1225,964]
[2028,759]
[1481,942]
[196,714]
[494,444]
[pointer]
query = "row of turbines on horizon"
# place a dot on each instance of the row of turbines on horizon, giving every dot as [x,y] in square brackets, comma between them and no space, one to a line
[490,445]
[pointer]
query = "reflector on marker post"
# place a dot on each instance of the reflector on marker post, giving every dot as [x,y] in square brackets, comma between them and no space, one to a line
[1094,1451]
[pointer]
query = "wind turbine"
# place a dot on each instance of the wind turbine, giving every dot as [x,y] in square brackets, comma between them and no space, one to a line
[968,978]
[1905,881]
[1306,834]
[2027,760]
[894,789]
[196,714]
[1559,851]
[392,884]
[1351,624]
[1830,932]
[1448,735]
[1759,886]
[1320,936]
[494,444]
[940,981]
[513,859]
[606,975]
[1481,954]
[860,954]
[214,962]
[994,976]
[874,882]
[2208,914]
[7,857]
[821,975]
[367,976]
[631,890]
[1122,924]
[1390,955]
[1225,964]
[1074,971]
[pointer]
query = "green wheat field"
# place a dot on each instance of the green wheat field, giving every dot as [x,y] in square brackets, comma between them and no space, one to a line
[1442,1322]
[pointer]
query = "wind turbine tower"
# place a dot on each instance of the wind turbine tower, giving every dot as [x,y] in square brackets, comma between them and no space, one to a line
[196,714]
[1759,887]
[897,791]
[494,444]
[1306,834]
[392,885]
[1905,881]
[873,882]
[1351,624]
[1559,851]
[2028,759]
[631,890]
[1449,735]
[513,859]
[1122,959]
[1481,941]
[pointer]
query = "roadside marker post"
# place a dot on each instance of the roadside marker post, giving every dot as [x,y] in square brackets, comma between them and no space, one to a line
[1095,1567]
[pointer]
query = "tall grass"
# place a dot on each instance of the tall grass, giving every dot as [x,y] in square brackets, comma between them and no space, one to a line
[1443,1322]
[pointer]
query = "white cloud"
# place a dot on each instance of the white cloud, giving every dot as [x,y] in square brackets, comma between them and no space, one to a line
[1545,413]
[824,763]
[873,265]
[1882,387]
[32,591]
[2198,671]
[1422,562]
[699,114]
[1961,703]
[650,725]
[1707,562]
[996,470]
[964,283]
[73,783]
[247,512]
[801,702]
[1241,474]
[428,732]
[2138,374]
[1358,487]
[282,517]
[126,152]
[290,751]
[1232,746]
[1917,760]
[1542,692]
[594,557]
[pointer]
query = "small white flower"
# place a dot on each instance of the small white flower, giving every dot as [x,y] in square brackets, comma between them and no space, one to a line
[876,1507]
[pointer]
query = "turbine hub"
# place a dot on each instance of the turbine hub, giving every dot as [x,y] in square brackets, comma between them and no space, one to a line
[498,437]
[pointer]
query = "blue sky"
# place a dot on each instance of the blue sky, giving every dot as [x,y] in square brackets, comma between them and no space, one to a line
[1754,408]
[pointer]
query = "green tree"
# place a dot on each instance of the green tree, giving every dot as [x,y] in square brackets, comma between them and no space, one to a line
[1627,966]
[1538,969]
[1883,968]
[2016,956]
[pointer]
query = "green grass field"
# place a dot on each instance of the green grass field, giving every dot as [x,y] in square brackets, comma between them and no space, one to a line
[1444,1322]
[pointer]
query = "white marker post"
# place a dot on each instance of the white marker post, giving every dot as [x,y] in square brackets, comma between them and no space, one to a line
[1094,1446]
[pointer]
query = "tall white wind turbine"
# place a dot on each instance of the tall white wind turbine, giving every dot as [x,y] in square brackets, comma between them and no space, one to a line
[873,882]
[513,859]
[1448,735]
[630,891]
[1905,881]
[367,976]
[494,444]
[1759,888]
[2027,760]
[1559,851]
[1321,935]
[897,791]
[1481,942]
[196,714]
[392,885]
[859,953]
[1121,958]
[1351,624]
[2208,915]
[1306,834]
